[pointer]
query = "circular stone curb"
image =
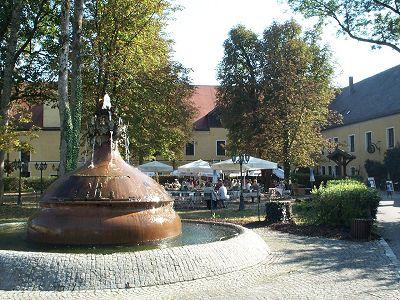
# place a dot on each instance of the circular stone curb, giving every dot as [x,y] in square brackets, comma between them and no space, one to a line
[60,271]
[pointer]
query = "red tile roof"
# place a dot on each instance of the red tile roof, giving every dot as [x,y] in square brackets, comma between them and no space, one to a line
[204,98]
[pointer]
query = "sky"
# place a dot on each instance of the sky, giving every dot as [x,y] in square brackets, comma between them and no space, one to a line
[202,26]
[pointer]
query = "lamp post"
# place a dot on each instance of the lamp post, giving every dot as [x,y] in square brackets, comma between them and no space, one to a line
[42,166]
[56,169]
[241,159]
[18,164]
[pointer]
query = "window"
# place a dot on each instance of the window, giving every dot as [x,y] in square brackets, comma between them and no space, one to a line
[368,140]
[390,137]
[337,171]
[353,171]
[221,148]
[351,143]
[190,148]
[330,170]
[323,170]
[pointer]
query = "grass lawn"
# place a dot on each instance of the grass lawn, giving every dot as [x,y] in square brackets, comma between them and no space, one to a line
[232,215]
[10,212]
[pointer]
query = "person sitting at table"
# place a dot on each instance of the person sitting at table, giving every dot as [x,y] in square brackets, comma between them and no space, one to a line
[222,196]
[176,185]
[248,185]
[255,187]
[218,185]
[167,185]
[210,195]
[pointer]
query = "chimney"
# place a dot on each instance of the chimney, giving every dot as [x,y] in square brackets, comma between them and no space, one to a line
[351,85]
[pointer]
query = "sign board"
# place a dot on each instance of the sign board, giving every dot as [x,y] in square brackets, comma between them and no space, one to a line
[371,182]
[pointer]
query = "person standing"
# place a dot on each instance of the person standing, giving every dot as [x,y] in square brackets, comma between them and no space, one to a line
[389,189]
[255,189]
[210,196]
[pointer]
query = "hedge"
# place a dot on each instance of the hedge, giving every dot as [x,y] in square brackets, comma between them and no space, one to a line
[304,179]
[338,203]
[27,183]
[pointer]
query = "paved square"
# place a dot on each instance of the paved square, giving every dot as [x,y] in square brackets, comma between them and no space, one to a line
[299,268]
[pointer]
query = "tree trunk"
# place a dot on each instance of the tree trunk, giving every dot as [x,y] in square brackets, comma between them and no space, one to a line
[8,80]
[76,85]
[63,104]
[286,157]
[286,168]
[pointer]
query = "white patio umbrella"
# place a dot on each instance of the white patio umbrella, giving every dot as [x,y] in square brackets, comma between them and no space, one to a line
[156,167]
[253,164]
[197,167]
[279,173]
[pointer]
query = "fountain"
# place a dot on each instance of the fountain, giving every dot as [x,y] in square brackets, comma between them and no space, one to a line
[107,201]
[107,225]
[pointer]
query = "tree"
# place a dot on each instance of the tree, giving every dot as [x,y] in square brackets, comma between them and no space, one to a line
[280,85]
[392,162]
[240,95]
[298,92]
[127,56]
[23,24]
[377,170]
[70,108]
[372,21]
[63,103]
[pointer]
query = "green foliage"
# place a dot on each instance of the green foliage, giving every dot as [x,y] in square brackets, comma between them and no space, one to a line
[275,212]
[11,184]
[33,183]
[338,203]
[275,92]
[392,162]
[371,21]
[304,179]
[377,170]
[128,56]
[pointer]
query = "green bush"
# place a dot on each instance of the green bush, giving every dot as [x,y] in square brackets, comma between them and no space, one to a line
[27,183]
[304,179]
[275,212]
[33,183]
[11,184]
[338,203]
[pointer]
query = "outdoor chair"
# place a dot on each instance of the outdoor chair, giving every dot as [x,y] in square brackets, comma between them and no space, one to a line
[195,199]
[208,198]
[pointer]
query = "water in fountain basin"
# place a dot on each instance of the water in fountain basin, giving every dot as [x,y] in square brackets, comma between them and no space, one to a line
[12,237]
[92,159]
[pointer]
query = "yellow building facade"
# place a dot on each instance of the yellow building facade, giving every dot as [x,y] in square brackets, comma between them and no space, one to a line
[371,121]
[207,141]
[354,139]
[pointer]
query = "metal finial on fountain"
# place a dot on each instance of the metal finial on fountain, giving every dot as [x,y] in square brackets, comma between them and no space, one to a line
[106,102]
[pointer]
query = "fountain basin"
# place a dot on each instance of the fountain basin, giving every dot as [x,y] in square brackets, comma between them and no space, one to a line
[103,222]
[27,270]
[104,202]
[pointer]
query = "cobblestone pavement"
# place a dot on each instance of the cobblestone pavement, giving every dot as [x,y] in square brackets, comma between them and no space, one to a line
[389,221]
[299,268]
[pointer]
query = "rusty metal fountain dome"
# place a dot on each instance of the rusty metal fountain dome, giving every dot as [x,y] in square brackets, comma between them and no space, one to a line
[107,201]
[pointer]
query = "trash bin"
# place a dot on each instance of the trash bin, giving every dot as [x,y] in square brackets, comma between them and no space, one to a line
[361,229]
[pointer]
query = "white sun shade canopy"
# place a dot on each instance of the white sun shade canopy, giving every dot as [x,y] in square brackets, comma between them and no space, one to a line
[155,166]
[196,167]
[253,164]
